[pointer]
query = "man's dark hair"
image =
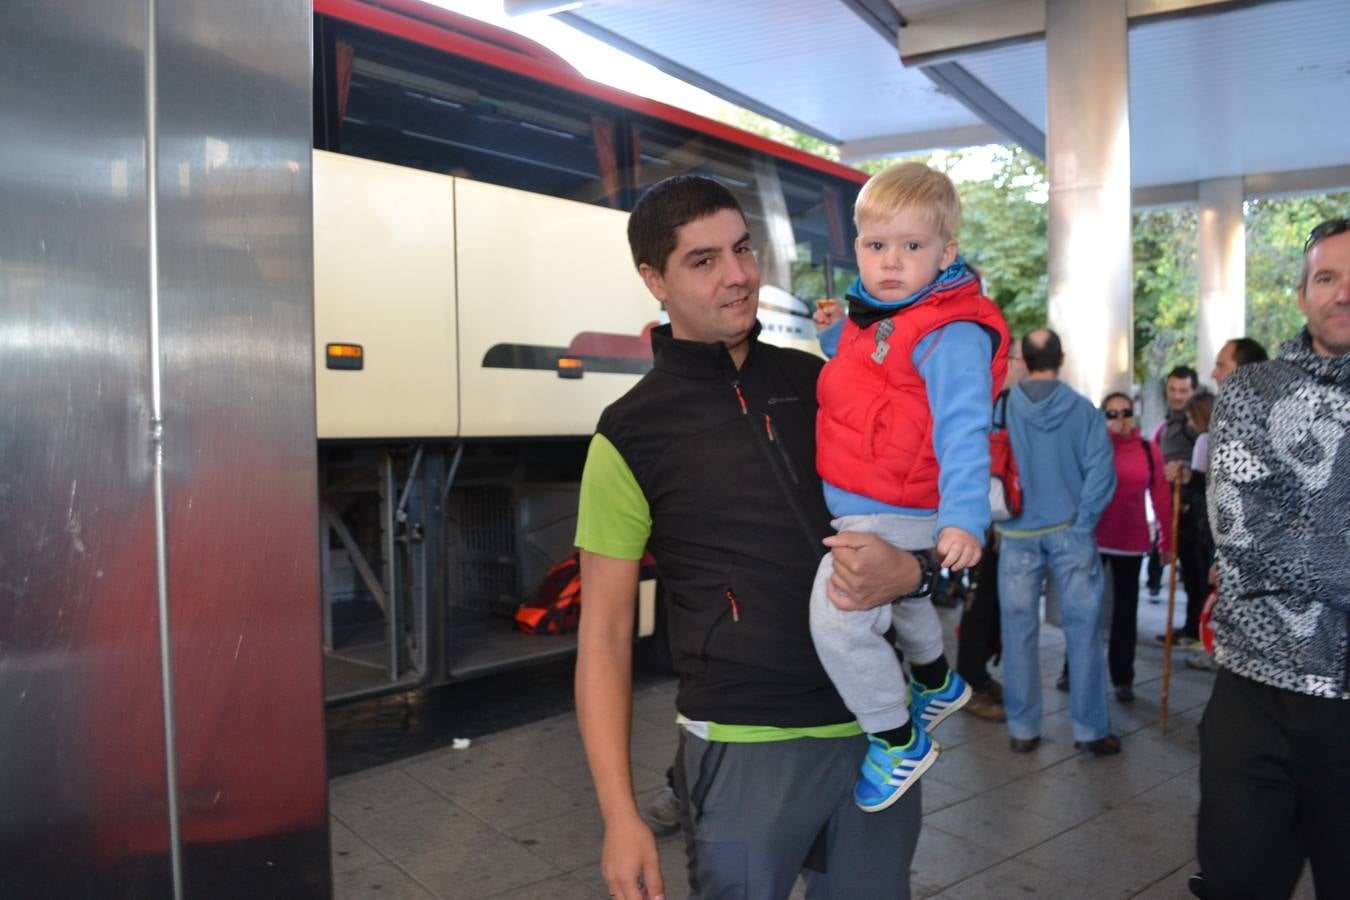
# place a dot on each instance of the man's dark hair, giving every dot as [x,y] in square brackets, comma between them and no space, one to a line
[668,205]
[1047,355]
[1185,372]
[1246,350]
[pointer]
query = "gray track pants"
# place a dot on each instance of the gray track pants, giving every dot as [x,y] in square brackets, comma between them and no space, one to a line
[754,815]
[851,643]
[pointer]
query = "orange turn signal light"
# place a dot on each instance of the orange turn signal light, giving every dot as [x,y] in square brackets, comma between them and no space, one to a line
[571,367]
[345,356]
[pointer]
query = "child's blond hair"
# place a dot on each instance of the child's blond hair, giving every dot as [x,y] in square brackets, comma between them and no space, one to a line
[915,186]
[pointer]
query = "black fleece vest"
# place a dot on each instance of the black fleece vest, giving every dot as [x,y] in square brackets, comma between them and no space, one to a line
[725,459]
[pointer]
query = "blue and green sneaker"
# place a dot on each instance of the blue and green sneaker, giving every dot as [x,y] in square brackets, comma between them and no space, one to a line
[887,772]
[927,708]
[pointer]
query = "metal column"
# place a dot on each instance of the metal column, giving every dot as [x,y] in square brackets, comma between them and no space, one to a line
[1222,253]
[161,724]
[1088,140]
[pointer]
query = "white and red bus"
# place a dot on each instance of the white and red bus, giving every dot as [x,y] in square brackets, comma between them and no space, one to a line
[476,308]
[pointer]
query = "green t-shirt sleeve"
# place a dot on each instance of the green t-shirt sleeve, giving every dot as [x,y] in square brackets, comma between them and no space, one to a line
[613,518]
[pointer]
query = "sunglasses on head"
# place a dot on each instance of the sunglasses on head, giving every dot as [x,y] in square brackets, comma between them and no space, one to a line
[1329,228]
[1126,413]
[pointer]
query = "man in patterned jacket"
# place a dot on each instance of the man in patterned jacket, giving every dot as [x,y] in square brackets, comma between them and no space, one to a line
[1275,739]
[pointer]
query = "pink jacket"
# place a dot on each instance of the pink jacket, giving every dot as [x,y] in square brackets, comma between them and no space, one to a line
[1124,526]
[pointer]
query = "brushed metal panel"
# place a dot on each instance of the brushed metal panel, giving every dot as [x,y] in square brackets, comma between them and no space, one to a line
[236,328]
[580,278]
[77,590]
[384,277]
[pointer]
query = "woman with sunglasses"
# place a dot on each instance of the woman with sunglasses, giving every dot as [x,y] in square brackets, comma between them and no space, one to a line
[1123,536]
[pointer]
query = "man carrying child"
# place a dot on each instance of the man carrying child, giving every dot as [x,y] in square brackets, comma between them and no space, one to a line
[902,447]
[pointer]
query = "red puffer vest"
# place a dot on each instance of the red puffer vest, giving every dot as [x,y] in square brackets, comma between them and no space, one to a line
[874,431]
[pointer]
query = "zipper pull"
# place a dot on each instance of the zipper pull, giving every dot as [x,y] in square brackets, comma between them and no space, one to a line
[768,427]
[741,397]
[735,610]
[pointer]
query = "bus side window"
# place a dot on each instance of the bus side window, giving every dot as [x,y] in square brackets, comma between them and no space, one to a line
[798,219]
[404,104]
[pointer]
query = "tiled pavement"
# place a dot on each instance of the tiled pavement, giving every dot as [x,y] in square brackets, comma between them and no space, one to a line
[514,815]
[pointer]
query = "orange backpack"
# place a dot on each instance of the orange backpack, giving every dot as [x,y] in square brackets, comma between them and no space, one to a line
[555,605]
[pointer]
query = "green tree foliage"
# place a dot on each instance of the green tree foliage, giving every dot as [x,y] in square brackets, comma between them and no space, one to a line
[1166,288]
[1003,220]
[1276,230]
[754,123]
[1166,283]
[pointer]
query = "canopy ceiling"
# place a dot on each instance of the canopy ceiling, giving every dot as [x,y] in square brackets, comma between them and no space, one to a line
[1254,89]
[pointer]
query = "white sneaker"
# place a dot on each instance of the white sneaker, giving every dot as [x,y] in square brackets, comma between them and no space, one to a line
[1199,659]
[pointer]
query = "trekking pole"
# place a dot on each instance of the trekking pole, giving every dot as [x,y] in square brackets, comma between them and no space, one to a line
[1171,604]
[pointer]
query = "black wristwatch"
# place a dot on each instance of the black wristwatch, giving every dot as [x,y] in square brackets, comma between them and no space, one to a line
[927,573]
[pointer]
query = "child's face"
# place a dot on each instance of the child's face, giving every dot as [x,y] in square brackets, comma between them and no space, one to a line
[899,256]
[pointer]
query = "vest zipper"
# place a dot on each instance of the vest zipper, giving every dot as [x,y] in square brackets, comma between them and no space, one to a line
[734,608]
[782,451]
[778,476]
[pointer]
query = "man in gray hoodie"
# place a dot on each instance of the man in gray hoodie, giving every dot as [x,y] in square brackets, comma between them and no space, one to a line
[1067,468]
[1275,739]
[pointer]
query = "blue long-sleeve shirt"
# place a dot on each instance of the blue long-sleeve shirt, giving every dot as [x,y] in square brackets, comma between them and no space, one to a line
[954,363]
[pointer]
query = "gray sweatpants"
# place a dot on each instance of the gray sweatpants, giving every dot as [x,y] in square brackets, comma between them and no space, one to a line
[756,815]
[851,644]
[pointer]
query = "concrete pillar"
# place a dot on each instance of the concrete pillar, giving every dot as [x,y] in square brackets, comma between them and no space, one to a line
[1088,157]
[1222,252]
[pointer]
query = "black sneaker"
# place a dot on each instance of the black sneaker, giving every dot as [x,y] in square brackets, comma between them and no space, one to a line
[1107,746]
[1125,693]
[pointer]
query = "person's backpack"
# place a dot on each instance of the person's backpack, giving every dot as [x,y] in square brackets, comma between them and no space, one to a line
[1005,488]
[555,605]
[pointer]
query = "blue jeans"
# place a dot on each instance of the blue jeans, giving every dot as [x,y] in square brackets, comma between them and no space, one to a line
[1072,555]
